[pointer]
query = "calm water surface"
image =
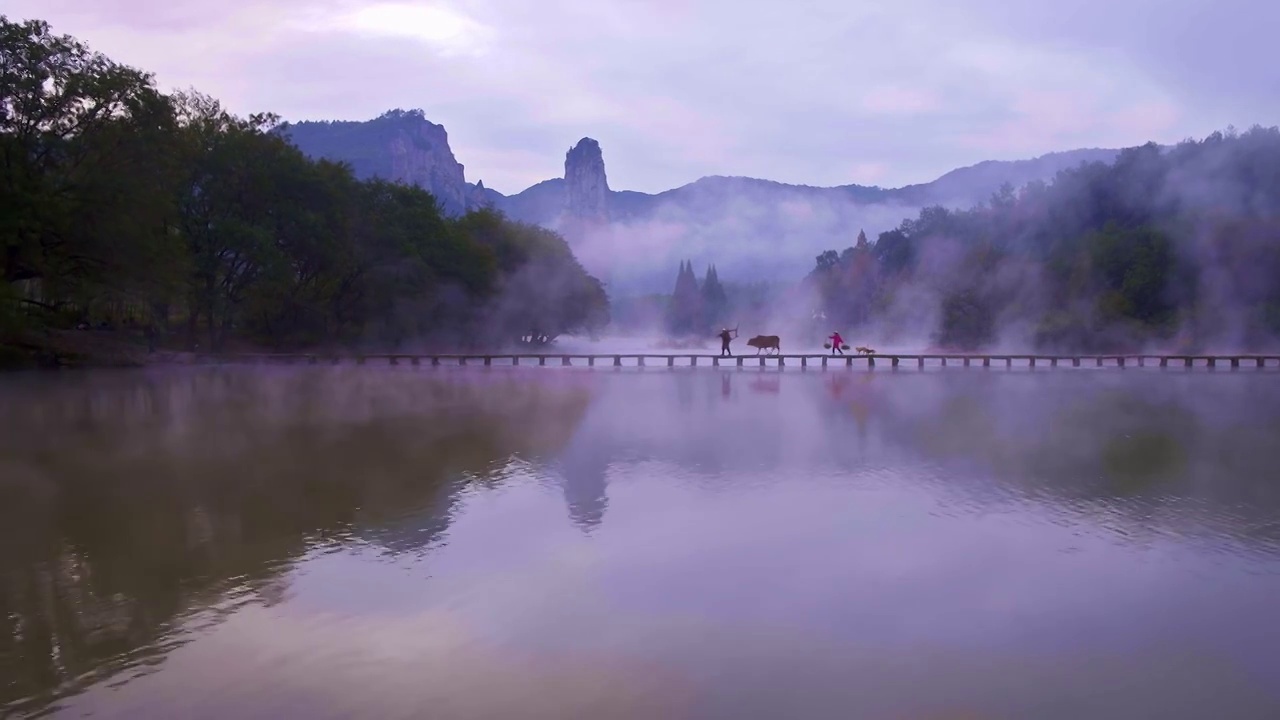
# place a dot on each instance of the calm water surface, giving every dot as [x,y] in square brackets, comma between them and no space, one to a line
[548,543]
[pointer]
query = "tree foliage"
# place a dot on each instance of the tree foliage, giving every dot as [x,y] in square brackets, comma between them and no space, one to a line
[696,309]
[125,205]
[1174,245]
[684,312]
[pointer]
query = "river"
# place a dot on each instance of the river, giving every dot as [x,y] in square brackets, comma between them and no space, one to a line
[399,542]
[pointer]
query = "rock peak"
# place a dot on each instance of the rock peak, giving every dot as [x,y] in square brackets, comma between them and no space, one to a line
[586,144]
[586,185]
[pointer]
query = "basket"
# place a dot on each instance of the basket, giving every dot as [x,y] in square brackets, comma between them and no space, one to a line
[844,347]
[826,346]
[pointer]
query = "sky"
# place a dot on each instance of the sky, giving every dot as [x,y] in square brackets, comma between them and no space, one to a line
[814,92]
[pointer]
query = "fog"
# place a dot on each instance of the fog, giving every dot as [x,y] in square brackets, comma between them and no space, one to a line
[750,233]
[1169,249]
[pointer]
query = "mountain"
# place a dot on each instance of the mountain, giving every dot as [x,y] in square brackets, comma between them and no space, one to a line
[399,145]
[752,229]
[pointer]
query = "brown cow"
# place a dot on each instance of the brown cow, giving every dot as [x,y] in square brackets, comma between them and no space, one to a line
[765,342]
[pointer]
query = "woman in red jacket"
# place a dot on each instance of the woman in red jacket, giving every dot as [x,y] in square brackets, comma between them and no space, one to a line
[837,343]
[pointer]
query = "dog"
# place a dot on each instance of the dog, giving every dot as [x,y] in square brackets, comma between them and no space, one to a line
[765,342]
[865,350]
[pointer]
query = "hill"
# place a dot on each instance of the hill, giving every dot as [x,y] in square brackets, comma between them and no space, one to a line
[752,228]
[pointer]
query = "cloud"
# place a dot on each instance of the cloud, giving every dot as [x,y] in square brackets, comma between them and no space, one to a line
[891,100]
[436,25]
[827,94]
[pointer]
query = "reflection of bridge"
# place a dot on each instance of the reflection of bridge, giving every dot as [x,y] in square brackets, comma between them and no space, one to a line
[824,361]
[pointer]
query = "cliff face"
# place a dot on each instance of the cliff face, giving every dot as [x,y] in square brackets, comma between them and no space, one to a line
[420,155]
[400,146]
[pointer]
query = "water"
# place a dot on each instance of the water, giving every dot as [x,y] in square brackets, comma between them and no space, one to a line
[561,543]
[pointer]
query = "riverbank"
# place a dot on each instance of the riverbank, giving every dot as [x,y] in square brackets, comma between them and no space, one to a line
[71,348]
[113,348]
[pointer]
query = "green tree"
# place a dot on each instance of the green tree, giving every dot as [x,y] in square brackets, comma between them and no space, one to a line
[74,167]
[714,301]
[121,202]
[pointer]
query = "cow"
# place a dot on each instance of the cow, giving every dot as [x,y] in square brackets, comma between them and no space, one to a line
[765,342]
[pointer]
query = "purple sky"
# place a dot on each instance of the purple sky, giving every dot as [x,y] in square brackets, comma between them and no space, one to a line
[819,92]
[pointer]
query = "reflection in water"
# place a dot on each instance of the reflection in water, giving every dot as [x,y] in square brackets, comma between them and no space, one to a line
[132,500]
[334,542]
[584,467]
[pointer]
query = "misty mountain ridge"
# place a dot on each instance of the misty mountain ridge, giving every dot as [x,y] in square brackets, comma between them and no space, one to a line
[751,228]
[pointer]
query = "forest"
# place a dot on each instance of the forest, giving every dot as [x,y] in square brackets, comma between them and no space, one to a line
[1169,247]
[166,219]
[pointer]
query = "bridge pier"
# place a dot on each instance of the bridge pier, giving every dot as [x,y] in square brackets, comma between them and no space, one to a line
[415,360]
[1235,363]
[564,361]
[542,360]
[740,362]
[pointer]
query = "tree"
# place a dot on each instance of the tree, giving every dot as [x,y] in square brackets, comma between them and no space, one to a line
[120,202]
[685,311]
[70,124]
[1165,242]
[714,302]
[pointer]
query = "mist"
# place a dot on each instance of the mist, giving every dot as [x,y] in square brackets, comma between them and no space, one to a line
[1168,249]
[751,234]
[761,241]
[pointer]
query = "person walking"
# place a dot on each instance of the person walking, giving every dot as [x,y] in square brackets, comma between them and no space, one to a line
[725,336]
[837,343]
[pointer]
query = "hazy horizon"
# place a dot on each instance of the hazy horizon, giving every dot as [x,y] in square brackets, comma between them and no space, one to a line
[832,95]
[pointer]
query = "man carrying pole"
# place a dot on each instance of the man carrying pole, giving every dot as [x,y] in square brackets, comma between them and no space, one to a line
[725,336]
